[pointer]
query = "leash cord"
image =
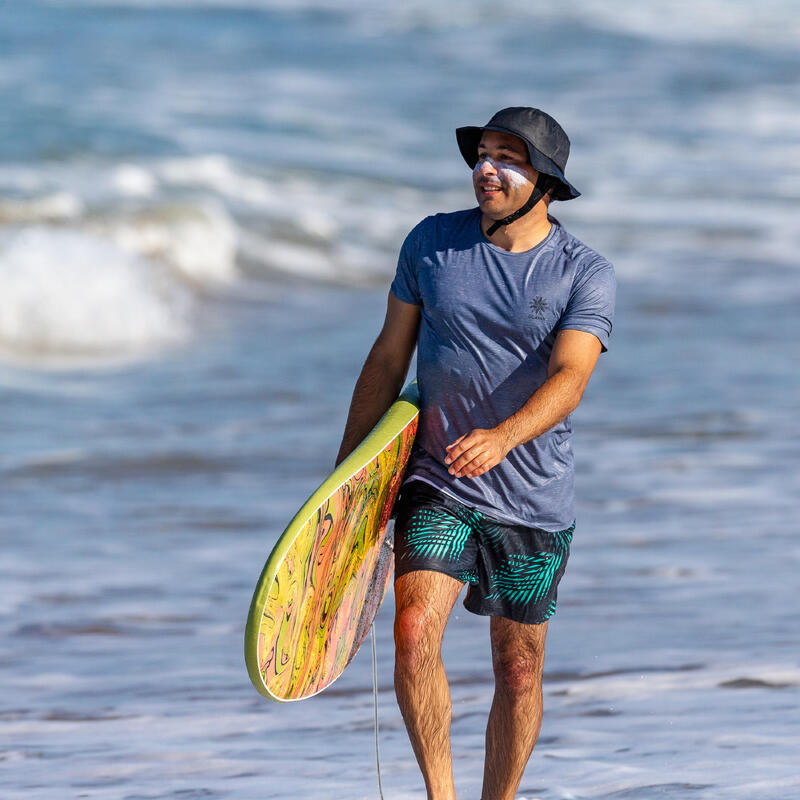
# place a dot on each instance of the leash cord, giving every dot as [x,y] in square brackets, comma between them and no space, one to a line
[375,697]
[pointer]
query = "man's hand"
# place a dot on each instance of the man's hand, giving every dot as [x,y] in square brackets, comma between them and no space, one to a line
[476,452]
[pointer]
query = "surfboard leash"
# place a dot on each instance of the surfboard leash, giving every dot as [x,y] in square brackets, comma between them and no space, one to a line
[375,698]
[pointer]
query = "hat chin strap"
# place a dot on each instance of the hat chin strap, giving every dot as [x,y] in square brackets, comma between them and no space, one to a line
[543,184]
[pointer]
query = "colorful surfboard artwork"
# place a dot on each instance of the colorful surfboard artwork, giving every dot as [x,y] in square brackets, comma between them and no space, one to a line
[325,579]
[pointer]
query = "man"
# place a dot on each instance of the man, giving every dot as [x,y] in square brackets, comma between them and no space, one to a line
[509,314]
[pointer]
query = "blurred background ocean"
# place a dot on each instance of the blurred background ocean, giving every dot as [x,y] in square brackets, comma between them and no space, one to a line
[200,208]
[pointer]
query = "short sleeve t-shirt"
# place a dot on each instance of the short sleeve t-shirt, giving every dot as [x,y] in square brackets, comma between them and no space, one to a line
[488,325]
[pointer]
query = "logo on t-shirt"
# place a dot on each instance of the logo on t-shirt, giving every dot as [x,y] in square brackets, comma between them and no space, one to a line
[538,306]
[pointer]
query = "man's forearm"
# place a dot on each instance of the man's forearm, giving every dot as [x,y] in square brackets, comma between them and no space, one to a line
[377,387]
[552,402]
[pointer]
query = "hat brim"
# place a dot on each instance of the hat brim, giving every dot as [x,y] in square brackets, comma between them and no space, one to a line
[469,138]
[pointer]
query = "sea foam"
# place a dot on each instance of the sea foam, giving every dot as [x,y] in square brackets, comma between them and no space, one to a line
[65,294]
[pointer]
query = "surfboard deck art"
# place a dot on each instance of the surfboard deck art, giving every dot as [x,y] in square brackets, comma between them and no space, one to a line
[325,579]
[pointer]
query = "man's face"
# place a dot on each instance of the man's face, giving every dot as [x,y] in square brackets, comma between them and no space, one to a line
[503,178]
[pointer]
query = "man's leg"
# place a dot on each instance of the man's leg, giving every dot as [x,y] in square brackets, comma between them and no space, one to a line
[424,600]
[516,715]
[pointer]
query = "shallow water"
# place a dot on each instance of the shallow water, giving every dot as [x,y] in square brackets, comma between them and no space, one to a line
[194,255]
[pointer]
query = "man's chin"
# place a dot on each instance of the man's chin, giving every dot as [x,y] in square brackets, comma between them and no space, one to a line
[492,214]
[489,208]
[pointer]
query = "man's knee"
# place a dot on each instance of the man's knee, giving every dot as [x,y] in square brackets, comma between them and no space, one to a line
[416,636]
[518,674]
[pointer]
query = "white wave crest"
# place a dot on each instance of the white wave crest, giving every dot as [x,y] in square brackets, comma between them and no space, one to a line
[198,241]
[65,294]
[56,206]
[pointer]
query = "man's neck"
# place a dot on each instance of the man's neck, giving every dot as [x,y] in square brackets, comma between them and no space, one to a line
[523,234]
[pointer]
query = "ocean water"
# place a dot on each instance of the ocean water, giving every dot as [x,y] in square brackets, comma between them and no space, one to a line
[200,208]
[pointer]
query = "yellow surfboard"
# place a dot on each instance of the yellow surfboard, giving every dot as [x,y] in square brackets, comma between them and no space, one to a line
[325,579]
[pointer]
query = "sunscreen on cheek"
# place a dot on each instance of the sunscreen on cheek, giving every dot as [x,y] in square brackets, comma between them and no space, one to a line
[506,173]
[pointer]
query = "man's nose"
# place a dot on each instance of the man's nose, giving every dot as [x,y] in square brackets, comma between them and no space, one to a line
[487,166]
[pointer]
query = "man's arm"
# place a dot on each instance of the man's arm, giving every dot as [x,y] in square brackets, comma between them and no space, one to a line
[573,358]
[383,373]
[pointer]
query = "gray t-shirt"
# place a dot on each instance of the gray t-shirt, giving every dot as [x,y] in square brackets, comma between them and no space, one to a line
[489,322]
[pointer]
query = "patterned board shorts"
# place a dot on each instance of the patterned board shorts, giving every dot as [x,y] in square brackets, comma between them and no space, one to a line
[513,571]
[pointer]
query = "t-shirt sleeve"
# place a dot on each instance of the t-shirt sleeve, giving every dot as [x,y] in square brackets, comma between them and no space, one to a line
[405,286]
[591,303]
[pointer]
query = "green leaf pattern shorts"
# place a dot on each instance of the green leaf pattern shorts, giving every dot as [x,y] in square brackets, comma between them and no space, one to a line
[513,571]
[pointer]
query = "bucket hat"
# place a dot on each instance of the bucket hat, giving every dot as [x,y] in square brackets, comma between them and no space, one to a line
[548,144]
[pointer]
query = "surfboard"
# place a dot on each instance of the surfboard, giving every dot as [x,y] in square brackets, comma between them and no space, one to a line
[325,579]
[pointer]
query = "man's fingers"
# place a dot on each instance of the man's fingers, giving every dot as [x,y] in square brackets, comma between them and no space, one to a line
[462,462]
[472,454]
[472,459]
[478,468]
[460,438]
[459,447]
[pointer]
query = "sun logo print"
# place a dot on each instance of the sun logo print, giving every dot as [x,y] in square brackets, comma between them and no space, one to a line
[538,306]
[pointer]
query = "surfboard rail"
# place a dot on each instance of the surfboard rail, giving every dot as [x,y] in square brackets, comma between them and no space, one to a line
[400,417]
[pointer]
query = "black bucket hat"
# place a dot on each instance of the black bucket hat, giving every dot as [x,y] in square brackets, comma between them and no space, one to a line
[548,145]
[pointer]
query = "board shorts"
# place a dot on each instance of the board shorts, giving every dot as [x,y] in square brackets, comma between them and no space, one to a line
[513,571]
